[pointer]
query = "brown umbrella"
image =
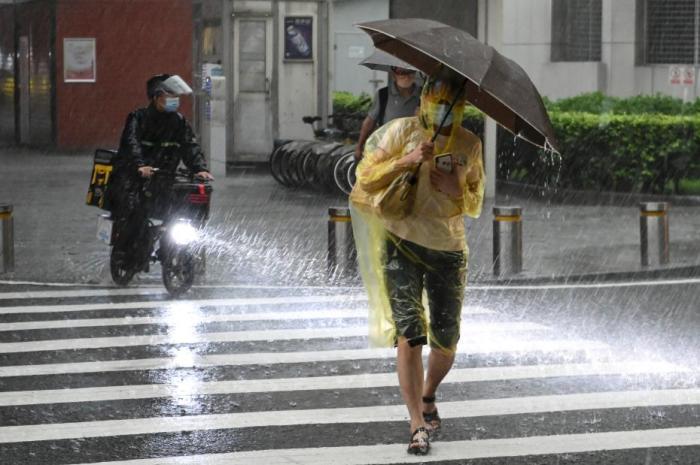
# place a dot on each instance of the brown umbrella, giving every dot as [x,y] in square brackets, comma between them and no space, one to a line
[382,61]
[495,84]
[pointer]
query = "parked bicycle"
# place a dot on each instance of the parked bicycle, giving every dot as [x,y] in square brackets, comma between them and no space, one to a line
[325,164]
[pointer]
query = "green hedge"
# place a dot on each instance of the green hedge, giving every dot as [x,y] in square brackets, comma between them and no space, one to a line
[645,144]
[623,153]
[596,102]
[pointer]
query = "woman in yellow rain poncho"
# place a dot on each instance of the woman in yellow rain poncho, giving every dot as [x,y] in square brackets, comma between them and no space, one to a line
[424,252]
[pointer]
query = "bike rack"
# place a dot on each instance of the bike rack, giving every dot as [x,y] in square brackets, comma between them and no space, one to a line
[316,165]
[326,164]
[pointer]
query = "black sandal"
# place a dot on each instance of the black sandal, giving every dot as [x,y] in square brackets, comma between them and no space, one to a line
[420,445]
[432,419]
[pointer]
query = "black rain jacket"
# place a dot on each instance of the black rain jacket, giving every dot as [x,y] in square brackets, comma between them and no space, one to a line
[157,139]
[151,138]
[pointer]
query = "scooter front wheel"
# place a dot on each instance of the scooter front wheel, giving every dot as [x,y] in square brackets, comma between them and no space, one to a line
[178,272]
[119,268]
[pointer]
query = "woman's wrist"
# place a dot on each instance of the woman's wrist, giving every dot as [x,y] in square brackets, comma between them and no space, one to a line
[407,161]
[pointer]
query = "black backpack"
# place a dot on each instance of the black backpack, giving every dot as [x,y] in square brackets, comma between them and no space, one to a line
[383,99]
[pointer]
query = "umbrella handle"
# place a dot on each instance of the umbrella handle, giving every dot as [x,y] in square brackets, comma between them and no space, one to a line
[444,118]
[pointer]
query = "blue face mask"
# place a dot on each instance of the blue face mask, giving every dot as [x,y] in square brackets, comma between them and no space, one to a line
[172,104]
[440,113]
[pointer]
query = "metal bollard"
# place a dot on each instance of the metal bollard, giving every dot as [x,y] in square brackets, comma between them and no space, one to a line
[653,232]
[8,241]
[507,240]
[342,256]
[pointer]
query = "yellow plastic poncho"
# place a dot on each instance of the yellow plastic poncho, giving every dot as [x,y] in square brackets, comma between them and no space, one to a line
[436,220]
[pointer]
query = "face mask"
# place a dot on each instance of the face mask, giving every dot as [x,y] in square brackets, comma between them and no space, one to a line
[172,104]
[440,112]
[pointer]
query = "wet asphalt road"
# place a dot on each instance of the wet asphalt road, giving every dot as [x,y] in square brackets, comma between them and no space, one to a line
[250,371]
[588,374]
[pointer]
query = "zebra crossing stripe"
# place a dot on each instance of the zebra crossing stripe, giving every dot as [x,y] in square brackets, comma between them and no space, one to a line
[185,358]
[185,334]
[374,380]
[443,450]
[182,304]
[197,318]
[379,413]
[53,294]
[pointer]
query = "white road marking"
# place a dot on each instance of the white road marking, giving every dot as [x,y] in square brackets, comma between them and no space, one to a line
[443,450]
[82,293]
[185,358]
[487,287]
[184,333]
[377,413]
[368,380]
[21,309]
[535,287]
[195,318]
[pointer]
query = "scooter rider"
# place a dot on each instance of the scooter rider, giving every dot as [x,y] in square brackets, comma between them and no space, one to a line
[154,137]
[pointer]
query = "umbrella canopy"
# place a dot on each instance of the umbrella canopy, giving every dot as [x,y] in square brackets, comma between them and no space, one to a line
[382,61]
[496,85]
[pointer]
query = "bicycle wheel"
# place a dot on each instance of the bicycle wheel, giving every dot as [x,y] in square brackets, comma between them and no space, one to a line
[340,170]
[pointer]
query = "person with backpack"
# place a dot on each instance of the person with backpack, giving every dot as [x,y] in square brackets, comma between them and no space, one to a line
[397,100]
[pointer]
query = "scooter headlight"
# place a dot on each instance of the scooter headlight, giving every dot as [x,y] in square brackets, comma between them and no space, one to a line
[183,233]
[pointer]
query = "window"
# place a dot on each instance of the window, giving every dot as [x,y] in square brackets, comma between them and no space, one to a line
[669,31]
[576,29]
[252,55]
[211,40]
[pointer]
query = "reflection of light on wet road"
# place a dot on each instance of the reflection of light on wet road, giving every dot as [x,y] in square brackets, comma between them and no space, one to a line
[184,390]
[182,319]
[183,357]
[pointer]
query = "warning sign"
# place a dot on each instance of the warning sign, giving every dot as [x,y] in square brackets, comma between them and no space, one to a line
[688,76]
[681,75]
[675,74]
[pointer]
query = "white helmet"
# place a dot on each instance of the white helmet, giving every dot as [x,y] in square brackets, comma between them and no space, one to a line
[160,83]
[176,85]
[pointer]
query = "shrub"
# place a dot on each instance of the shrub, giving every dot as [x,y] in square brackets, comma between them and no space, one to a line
[616,152]
[597,103]
[345,102]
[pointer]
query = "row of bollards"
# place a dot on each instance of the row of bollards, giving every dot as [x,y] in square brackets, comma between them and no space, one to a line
[507,238]
[8,244]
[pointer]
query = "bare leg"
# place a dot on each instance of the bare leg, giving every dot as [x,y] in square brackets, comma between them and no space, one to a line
[439,364]
[409,365]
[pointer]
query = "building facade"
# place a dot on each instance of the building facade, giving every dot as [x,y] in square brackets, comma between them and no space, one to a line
[259,66]
[618,47]
[71,70]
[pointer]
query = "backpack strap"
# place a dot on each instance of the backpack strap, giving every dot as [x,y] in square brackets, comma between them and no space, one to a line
[383,99]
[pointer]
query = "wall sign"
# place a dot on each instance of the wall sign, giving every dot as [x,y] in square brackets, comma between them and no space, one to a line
[298,38]
[79,63]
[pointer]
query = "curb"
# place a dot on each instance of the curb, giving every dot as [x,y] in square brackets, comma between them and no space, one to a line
[691,271]
[589,198]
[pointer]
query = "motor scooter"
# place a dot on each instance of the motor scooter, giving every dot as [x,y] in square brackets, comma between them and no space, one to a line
[171,232]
